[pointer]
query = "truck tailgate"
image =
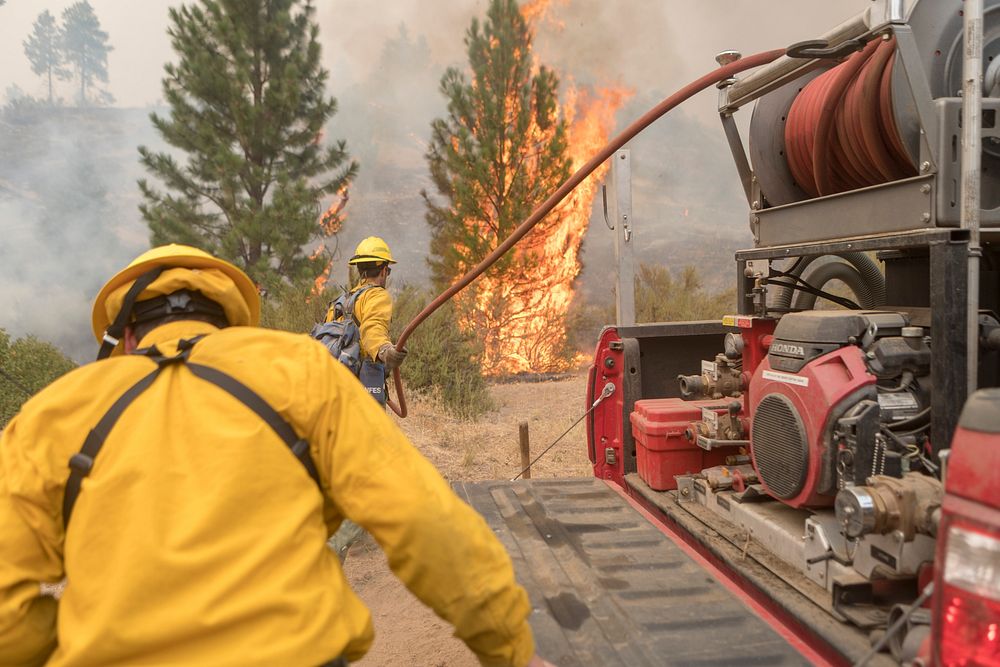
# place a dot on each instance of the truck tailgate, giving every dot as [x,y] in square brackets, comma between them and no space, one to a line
[609,588]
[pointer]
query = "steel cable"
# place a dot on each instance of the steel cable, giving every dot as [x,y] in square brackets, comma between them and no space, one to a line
[609,389]
[897,626]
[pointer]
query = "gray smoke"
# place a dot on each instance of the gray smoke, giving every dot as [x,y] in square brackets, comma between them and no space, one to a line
[68,198]
[680,165]
[68,216]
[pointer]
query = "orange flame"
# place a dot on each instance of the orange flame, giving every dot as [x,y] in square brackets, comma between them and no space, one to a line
[535,11]
[329,223]
[321,279]
[522,322]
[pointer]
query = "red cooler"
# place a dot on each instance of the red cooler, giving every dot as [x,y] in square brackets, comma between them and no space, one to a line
[662,448]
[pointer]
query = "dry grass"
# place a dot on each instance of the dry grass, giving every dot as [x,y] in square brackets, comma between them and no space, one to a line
[488,448]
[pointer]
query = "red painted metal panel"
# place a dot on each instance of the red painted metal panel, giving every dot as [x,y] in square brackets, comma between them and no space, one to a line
[815,391]
[975,457]
[606,422]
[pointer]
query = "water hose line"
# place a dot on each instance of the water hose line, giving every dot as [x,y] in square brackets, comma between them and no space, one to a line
[874,288]
[696,86]
[819,275]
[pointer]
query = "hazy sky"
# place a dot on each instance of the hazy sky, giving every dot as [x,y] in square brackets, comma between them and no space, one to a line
[659,43]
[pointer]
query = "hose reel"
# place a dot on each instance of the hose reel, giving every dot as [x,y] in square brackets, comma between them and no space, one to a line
[879,115]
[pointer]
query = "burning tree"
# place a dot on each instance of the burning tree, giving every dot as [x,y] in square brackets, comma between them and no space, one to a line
[498,153]
[248,106]
[505,145]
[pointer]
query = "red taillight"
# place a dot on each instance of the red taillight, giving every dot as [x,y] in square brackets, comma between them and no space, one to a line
[970,632]
[969,597]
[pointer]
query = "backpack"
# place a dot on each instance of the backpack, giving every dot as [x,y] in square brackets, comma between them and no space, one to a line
[343,336]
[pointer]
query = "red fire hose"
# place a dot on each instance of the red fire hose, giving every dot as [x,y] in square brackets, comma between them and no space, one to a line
[841,132]
[720,74]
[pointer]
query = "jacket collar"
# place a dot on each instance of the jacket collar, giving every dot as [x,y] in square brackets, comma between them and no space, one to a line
[166,336]
[364,282]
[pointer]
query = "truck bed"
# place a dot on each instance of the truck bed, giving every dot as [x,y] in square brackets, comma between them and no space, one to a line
[609,588]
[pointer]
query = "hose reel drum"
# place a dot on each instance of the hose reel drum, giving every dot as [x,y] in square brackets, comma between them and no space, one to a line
[905,84]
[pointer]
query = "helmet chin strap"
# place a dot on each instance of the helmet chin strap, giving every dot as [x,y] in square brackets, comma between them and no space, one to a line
[115,331]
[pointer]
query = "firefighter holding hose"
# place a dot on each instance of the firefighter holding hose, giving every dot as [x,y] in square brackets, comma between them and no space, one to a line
[356,332]
[185,484]
[371,303]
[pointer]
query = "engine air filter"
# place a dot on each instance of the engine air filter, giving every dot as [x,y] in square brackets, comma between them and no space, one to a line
[779,445]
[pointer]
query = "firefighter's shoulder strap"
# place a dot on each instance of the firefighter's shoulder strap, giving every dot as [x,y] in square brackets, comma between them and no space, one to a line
[82,462]
[345,306]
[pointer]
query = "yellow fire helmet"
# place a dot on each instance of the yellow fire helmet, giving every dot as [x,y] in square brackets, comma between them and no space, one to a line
[372,249]
[181,267]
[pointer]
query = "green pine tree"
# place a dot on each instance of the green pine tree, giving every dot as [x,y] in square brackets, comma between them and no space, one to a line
[43,49]
[247,106]
[663,297]
[497,154]
[85,47]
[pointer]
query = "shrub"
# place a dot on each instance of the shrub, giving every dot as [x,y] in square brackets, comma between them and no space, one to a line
[584,323]
[659,297]
[443,361]
[28,365]
[294,308]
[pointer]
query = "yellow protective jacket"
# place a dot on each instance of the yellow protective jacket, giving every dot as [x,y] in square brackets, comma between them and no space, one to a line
[199,539]
[373,311]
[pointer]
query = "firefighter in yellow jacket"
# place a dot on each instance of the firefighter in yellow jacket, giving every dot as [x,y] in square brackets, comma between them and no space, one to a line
[373,307]
[372,310]
[170,486]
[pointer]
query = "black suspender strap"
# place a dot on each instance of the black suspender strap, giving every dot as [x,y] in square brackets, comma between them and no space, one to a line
[81,463]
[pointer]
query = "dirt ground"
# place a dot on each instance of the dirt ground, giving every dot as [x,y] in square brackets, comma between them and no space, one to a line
[406,632]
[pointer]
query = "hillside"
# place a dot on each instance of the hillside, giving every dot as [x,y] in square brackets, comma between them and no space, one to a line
[69,217]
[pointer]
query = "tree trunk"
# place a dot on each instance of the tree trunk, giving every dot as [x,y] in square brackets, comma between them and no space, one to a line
[50,85]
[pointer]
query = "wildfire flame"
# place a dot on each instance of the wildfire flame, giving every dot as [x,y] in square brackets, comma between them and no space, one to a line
[523,322]
[329,223]
[535,11]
